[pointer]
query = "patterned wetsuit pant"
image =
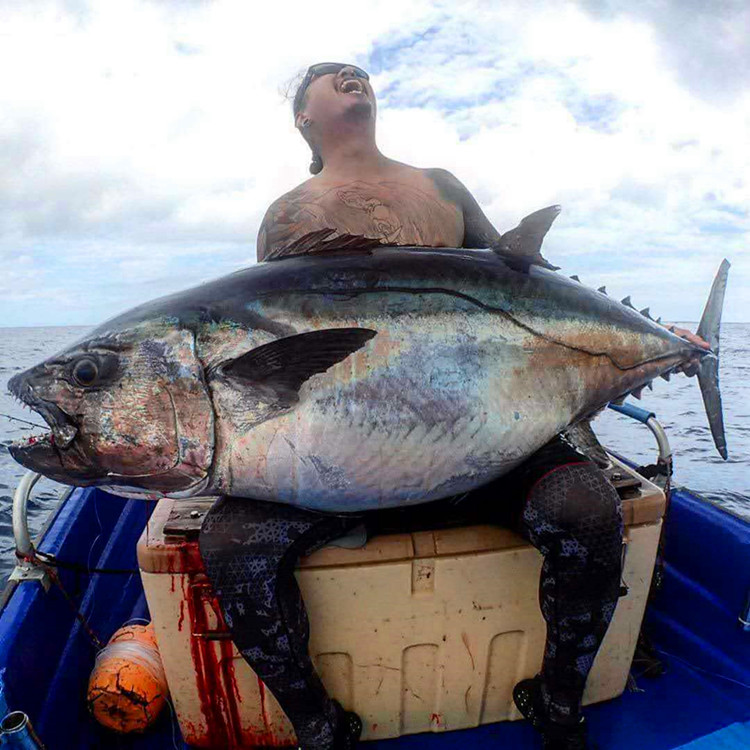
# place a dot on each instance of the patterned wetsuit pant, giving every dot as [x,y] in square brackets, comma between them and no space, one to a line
[558,500]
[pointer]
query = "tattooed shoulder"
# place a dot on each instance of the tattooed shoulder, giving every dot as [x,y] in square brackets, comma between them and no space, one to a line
[286,218]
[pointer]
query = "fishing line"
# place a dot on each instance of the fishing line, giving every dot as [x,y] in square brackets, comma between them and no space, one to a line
[91,550]
[701,669]
[25,421]
[174,722]
[87,568]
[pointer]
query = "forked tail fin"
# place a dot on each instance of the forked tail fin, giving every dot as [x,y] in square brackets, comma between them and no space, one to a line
[708,371]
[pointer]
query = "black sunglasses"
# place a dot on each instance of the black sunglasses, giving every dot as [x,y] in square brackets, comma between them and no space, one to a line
[322,69]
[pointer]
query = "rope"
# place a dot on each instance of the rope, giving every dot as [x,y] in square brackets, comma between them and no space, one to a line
[93,637]
[658,579]
[52,561]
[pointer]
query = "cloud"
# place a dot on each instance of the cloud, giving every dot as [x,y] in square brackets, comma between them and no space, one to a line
[141,142]
[589,112]
[707,45]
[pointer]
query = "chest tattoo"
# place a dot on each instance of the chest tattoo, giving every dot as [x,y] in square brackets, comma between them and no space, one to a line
[393,212]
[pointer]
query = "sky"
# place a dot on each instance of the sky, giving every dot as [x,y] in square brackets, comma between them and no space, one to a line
[141,141]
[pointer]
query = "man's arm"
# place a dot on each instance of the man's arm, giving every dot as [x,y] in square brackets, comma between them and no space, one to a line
[261,244]
[478,231]
[520,246]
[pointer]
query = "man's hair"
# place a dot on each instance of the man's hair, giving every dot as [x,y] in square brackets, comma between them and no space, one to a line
[293,92]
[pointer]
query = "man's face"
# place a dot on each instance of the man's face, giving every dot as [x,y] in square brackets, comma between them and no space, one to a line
[333,97]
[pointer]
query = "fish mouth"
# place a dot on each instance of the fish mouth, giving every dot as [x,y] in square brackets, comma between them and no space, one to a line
[55,454]
[62,428]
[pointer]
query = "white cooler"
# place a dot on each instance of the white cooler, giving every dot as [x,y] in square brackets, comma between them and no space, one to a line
[417,632]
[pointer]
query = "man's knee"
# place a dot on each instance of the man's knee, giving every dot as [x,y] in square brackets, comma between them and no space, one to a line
[576,499]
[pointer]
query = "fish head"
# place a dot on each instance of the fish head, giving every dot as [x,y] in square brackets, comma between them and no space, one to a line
[125,408]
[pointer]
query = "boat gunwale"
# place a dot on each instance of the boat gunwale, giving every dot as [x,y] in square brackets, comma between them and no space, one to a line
[52,516]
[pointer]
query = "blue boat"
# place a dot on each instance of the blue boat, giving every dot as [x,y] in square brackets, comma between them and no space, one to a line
[693,692]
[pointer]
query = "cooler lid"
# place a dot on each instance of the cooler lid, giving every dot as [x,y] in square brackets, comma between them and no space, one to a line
[169,544]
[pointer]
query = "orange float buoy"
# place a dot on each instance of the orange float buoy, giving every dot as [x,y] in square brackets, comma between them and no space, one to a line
[127,687]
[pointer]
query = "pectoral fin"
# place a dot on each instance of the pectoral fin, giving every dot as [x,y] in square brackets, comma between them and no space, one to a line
[285,364]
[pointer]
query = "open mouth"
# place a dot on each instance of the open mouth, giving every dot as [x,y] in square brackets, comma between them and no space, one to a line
[38,440]
[352,86]
[54,453]
[61,434]
[62,429]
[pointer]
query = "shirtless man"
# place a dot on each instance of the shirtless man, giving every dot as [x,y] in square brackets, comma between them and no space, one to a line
[356,189]
[557,499]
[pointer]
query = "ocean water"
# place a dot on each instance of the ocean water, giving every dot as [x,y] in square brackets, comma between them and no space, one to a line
[677,404]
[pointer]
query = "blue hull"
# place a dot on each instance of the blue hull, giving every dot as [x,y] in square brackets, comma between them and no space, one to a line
[703,701]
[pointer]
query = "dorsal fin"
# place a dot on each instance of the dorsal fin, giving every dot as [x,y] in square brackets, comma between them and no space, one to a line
[322,241]
[524,243]
[602,289]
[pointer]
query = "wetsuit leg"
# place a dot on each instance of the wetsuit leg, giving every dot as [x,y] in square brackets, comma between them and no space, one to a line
[573,515]
[250,549]
[563,504]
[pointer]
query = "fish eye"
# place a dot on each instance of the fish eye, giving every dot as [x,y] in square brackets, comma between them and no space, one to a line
[85,372]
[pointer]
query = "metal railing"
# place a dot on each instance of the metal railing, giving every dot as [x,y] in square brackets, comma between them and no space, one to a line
[27,567]
[664,461]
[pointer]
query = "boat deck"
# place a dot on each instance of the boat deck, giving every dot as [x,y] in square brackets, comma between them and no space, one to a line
[672,711]
[703,700]
[685,708]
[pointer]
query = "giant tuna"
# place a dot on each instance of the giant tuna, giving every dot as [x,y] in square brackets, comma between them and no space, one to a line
[348,381]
